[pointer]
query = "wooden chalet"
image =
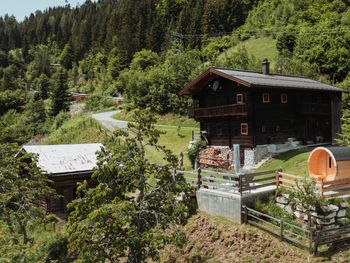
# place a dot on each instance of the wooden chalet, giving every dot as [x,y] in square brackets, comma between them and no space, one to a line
[251,108]
[66,164]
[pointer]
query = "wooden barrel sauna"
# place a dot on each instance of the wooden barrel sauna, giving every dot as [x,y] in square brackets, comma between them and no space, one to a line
[329,163]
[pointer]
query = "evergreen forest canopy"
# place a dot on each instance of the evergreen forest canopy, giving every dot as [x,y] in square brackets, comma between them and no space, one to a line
[148,50]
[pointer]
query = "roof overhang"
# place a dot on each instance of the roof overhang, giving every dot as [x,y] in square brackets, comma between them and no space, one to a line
[202,80]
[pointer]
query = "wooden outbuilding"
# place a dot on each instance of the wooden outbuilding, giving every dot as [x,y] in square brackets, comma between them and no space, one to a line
[330,163]
[67,165]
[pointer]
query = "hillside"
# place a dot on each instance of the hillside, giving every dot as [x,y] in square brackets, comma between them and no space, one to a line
[214,239]
[259,48]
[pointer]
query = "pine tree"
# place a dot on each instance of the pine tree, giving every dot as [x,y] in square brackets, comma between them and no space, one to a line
[35,115]
[59,94]
[67,56]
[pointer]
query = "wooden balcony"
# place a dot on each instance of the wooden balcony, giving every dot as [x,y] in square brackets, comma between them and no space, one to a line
[219,111]
[315,109]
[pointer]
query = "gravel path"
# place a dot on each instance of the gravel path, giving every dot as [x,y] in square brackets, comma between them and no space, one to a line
[105,118]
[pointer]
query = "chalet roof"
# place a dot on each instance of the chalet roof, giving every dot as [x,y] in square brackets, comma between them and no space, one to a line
[65,158]
[340,153]
[258,80]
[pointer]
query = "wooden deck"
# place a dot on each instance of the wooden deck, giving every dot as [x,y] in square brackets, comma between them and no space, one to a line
[226,110]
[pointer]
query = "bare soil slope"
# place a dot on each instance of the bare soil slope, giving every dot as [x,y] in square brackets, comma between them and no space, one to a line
[213,239]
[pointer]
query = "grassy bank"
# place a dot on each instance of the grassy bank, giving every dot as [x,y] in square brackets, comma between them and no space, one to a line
[293,162]
[78,129]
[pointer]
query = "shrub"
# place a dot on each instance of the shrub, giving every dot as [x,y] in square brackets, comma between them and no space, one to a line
[59,120]
[195,149]
[57,250]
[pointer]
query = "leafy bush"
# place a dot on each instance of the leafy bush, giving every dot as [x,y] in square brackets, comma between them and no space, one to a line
[57,250]
[272,209]
[195,149]
[307,196]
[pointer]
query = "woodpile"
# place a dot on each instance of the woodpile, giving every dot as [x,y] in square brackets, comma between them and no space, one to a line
[215,157]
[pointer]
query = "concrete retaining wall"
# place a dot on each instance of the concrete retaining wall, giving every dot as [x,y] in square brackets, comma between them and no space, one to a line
[228,205]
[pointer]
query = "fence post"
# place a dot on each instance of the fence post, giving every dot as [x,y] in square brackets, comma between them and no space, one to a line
[192,135]
[199,178]
[281,229]
[245,215]
[278,178]
[181,160]
[316,242]
[311,235]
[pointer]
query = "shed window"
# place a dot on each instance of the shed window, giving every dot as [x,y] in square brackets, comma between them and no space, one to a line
[240,98]
[266,98]
[244,128]
[284,98]
[330,162]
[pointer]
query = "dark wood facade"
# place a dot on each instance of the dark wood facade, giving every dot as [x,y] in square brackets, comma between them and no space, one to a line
[66,187]
[234,113]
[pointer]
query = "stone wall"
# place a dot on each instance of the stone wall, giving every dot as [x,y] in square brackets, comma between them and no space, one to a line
[327,217]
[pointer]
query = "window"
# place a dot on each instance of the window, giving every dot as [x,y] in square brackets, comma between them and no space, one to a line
[244,128]
[330,162]
[278,128]
[266,97]
[284,98]
[240,98]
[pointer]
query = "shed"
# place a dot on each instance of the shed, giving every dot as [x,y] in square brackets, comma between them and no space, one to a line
[330,163]
[67,165]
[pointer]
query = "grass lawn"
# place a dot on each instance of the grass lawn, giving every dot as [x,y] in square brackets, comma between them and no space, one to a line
[175,140]
[260,48]
[293,162]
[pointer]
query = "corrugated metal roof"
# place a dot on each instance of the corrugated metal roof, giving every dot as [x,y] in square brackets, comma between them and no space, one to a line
[276,80]
[340,153]
[65,158]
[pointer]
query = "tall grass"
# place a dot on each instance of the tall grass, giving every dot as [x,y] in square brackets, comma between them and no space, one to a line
[78,129]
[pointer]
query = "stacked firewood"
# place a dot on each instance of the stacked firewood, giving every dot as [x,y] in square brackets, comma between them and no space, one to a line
[214,157]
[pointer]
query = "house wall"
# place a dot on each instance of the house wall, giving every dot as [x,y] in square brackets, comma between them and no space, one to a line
[307,115]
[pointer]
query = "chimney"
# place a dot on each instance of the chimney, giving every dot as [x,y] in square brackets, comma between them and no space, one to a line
[265,67]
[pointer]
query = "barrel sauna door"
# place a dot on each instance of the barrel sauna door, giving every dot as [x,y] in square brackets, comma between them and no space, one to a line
[321,165]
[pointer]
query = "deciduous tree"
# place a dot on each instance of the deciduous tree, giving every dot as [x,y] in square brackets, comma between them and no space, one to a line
[134,210]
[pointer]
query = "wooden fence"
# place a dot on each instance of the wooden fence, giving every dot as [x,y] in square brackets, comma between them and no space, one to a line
[335,188]
[326,189]
[331,236]
[295,234]
[237,183]
[308,238]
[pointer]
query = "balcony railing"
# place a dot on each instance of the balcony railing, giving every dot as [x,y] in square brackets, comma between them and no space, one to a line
[226,110]
[315,109]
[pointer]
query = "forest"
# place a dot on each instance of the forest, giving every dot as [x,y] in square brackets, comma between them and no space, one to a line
[146,51]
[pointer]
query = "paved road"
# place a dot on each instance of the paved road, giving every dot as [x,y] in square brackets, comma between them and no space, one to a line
[105,118]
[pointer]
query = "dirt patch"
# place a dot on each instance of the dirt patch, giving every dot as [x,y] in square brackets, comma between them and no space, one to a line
[217,240]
